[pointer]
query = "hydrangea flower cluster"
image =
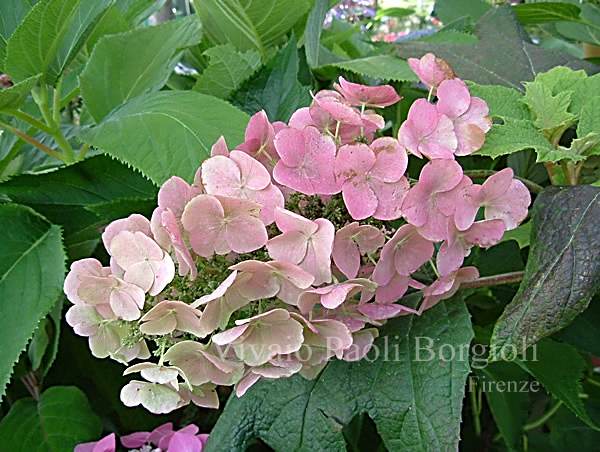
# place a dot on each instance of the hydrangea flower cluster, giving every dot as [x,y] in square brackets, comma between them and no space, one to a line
[162,438]
[291,249]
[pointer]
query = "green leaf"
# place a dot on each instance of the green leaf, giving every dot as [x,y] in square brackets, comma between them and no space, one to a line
[276,88]
[589,32]
[502,56]
[588,128]
[561,78]
[50,37]
[451,10]
[32,268]
[560,369]
[12,98]
[522,235]
[549,111]
[43,347]
[562,272]
[583,90]
[168,133]
[226,21]
[502,101]
[60,420]
[227,70]
[544,12]
[584,332]
[134,63]
[393,12]
[312,32]
[508,405]
[414,396]
[12,13]
[383,67]
[65,194]
[136,11]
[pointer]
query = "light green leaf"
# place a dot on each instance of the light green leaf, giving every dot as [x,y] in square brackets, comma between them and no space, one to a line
[50,37]
[393,12]
[549,111]
[544,12]
[586,32]
[562,272]
[12,98]
[383,67]
[60,420]
[451,10]
[502,101]
[414,394]
[560,368]
[560,78]
[588,128]
[32,268]
[522,235]
[227,70]
[136,11]
[312,32]
[130,64]
[12,13]
[168,133]
[226,21]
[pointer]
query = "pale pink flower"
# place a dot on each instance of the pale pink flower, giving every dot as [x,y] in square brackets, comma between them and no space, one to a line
[329,107]
[90,283]
[133,223]
[155,397]
[431,70]
[332,296]
[420,206]
[370,96]
[218,224]
[280,279]
[468,114]
[352,241]
[168,316]
[241,176]
[372,178]
[167,230]
[106,444]
[278,367]
[258,339]
[143,262]
[307,161]
[446,286]
[459,243]
[204,396]
[362,341]
[259,139]
[219,148]
[305,243]
[175,193]
[427,132]
[201,363]
[384,311]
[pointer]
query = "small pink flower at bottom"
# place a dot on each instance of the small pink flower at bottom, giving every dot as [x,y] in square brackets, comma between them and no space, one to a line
[370,96]
[431,70]
[106,444]
[303,242]
[372,178]
[307,161]
[458,245]
[468,114]
[352,241]
[446,286]
[420,204]
[218,224]
[426,132]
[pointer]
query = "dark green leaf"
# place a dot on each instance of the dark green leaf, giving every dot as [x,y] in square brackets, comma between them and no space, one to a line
[44,343]
[503,55]
[130,64]
[32,268]
[589,33]
[451,10]
[12,13]
[312,33]
[543,12]
[168,133]
[414,395]
[584,332]
[60,420]
[562,273]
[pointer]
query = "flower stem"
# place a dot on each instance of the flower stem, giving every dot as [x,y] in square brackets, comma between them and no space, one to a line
[480,174]
[25,117]
[544,418]
[32,141]
[495,280]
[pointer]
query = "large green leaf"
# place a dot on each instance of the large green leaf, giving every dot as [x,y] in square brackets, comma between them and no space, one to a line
[502,101]
[451,10]
[32,267]
[543,12]
[560,369]
[312,32]
[69,196]
[135,11]
[130,64]
[502,56]
[227,70]
[12,13]
[50,37]
[57,422]
[562,273]
[412,390]
[584,332]
[12,98]
[383,67]
[588,31]
[168,133]
[276,88]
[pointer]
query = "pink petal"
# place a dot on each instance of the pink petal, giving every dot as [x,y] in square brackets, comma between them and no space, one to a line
[221,176]
[254,175]
[375,96]
[390,197]
[359,198]
[453,98]
[174,194]
[391,162]
[203,220]
[220,148]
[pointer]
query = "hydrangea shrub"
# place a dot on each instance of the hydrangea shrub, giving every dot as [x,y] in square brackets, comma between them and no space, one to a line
[292,248]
